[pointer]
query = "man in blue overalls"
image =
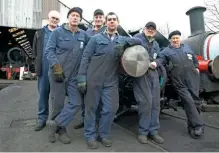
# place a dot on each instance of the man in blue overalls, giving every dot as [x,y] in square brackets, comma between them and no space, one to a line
[42,67]
[64,51]
[98,27]
[147,90]
[185,79]
[98,77]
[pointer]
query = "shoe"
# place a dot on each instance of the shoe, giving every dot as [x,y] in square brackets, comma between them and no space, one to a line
[157,138]
[92,144]
[199,131]
[106,142]
[142,139]
[63,136]
[79,126]
[53,127]
[39,126]
[196,133]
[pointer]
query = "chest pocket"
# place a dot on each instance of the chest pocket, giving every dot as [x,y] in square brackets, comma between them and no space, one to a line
[81,43]
[189,55]
[64,43]
[154,52]
[102,47]
[174,58]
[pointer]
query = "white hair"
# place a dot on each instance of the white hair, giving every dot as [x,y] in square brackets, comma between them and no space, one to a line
[54,13]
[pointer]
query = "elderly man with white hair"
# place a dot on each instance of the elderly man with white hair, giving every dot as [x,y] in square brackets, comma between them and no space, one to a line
[42,67]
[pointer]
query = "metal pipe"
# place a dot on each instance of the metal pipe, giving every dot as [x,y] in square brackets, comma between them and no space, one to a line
[204,65]
[197,25]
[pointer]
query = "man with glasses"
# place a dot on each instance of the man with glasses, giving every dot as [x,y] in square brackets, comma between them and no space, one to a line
[98,27]
[147,90]
[98,77]
[64,51]
[42,67]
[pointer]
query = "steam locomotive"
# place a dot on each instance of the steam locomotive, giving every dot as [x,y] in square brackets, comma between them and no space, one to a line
[205,45]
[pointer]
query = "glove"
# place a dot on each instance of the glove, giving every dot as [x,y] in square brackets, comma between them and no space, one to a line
[58,73]
[82,84]
[153,65]
[120,48]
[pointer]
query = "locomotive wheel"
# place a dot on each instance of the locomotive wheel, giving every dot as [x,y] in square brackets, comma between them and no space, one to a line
[12,54]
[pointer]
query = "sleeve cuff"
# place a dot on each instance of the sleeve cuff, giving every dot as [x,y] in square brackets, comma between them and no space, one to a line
[82,78]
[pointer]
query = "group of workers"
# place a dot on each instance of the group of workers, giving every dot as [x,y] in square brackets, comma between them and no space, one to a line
[84,66]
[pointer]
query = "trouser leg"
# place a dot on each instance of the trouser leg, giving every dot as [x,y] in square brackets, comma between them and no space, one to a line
[192,113]
[70,109]
[43,102]
[155,113]
[110,105]
[58,94]
[91,101]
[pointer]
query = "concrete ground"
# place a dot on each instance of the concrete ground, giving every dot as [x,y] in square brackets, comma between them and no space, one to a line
[174,131]
[18,109]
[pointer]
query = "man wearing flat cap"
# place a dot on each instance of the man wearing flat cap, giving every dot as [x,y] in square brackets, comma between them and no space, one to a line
[64,52]
[147,90]
[184,75]
[98,27]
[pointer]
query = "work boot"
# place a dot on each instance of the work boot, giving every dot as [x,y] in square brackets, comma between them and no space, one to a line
[142,139]
[79,126]
[63,136]
[106,142]
[39,126]
[92,144]
[157,138]
[199,131]
[53,127]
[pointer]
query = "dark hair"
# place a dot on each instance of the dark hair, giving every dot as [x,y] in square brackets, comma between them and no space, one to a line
[112,13]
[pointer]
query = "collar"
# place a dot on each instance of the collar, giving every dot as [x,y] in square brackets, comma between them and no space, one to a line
[106,32]
[149,39]
[66,26]
[46,27]
[181,45]
[93,28]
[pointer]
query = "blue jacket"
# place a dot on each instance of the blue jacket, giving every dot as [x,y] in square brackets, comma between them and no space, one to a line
[100,44]
[91,32]
[177,56]
[153,50]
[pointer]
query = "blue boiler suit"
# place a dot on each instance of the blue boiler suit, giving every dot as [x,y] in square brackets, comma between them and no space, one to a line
[99,66]
[147,92]
[91,32]
[65,48]
[185,80]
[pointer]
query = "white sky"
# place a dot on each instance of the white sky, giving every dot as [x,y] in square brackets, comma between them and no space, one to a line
[135,14]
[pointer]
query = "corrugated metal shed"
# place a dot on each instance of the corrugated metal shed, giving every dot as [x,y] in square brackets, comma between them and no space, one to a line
[26,13]
[31,14]
[49,5]
[21,13]
[37,13]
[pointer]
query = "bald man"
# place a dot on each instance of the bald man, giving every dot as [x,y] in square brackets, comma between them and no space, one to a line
[42,67]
